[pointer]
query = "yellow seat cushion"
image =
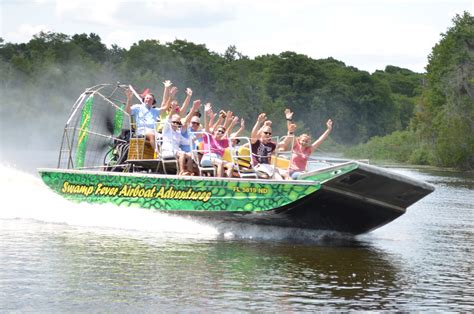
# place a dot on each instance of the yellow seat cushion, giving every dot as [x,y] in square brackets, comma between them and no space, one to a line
[244,158]
[140,149]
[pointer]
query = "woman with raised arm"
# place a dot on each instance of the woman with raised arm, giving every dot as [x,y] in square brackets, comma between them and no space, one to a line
[303,148]
[187,133]
[184,107]
[215,144]
[233,136]
[169,105]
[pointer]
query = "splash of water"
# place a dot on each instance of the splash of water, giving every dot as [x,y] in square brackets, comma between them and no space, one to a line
[25,196]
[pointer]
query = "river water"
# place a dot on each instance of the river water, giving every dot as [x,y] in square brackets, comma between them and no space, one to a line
[58,256]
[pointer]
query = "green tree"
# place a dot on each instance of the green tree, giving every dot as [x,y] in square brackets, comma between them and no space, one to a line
[441,130]
[446,114]
[91,46]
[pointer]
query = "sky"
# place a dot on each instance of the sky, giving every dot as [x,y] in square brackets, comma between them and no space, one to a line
[366,34]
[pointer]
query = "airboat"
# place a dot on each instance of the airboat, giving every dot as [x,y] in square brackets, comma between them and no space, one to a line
[102,159]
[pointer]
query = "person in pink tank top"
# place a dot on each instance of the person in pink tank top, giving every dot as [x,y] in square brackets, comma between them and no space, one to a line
[302,147]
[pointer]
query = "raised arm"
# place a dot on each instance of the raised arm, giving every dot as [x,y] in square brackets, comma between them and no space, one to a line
[241,129]
[229,116]
[289,117]
[254,135]
[219,120]
[182,110]
[228,131]
[207,112]
[324,136]
[194,108]
[291,127]
[166,95]
[212,116]
[285,143]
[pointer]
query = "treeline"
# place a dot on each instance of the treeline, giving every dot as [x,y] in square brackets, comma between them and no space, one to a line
[41,79]
[441,130]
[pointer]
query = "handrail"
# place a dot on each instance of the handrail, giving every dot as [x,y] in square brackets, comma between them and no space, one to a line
[195,151]
[277,140]
[287,151]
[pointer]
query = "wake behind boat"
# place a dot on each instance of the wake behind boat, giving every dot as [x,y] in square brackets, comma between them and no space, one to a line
[103,159]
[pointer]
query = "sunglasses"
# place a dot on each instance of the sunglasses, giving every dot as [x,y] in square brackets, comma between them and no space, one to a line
[267,133]
[176,122]
[195,123]
[221,131]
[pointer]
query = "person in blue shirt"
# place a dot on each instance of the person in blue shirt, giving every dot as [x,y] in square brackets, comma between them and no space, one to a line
[145,114]
[190,133]
[190,126]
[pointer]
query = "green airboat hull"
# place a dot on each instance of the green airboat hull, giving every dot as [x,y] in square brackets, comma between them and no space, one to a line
[350,198]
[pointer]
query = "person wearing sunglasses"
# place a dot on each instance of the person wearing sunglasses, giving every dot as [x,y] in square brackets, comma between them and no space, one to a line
[171,105]
[172,139]
[263,147]
[195,130]
[190,126]
[215,144]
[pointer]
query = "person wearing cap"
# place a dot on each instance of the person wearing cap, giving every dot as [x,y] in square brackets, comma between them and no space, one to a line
[193,124]
[195,131]
[190,125]
[172,139]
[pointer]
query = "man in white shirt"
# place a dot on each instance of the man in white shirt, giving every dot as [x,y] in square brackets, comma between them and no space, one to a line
[172,139]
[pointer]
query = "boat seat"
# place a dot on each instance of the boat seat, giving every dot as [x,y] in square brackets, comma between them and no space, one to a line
[197,152]
[241,159]
[279,159]
[140,149]
[244,158]
[169,164]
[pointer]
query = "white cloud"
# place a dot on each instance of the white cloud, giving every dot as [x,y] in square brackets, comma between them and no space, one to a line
[363,33]
[177,13]
[368,34]
[152,13]
[88,11]
[63,7]
[122,39]
[25,32]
